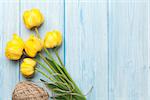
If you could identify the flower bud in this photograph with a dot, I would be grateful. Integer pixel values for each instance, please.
(33, 45)
(28, 67)
(52, 39)
(33, 18)
(14, 48)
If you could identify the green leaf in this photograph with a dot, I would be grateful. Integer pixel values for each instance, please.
(42, 80)
(57, 90)
(58, 98)
(67, 80)
(56, 84)
(52, 86)
(44, 66)
(62, 96)
(53, 64)
(63, 70)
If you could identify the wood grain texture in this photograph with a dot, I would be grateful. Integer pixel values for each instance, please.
(9, 70)
(106, 44)
(128, 45)
(86, 46)
(148, 49)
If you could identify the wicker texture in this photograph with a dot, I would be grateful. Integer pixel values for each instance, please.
(29, 91)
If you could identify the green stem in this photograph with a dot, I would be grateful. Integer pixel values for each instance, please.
(43, 74)
(49, 54)
(43, 66)
(56, 52)
(57, 74)
(37, 32)
(77, 88)
(55, 62)
(45, 60)
(59, 84)
(67, 74)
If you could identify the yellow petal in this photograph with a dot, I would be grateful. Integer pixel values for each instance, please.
(33, 18)
(52, 39)
(27, 67)
(33, 45)
(14, 48)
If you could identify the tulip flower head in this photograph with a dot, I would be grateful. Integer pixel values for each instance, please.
(14, 48)
(28, 67)
(53, 39)
(33, 18)
(33, 45)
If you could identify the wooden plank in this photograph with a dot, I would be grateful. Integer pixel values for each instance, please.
(128, 50)
(9, 70)
(148, 48)
(86, 46)
(53, 14)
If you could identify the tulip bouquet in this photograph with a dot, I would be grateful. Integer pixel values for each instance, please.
(60, 81)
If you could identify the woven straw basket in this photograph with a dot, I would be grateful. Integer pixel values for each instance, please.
(29, 91)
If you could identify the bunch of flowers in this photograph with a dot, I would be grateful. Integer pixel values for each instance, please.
(60, 81)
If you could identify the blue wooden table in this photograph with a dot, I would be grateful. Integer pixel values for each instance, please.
(105, 44)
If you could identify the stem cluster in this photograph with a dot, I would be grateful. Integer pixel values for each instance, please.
(60, 82)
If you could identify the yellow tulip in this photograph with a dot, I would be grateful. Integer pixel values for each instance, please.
(14, 48)
(33, 45)
(53, 39)
(33, 18)
(28, 67)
